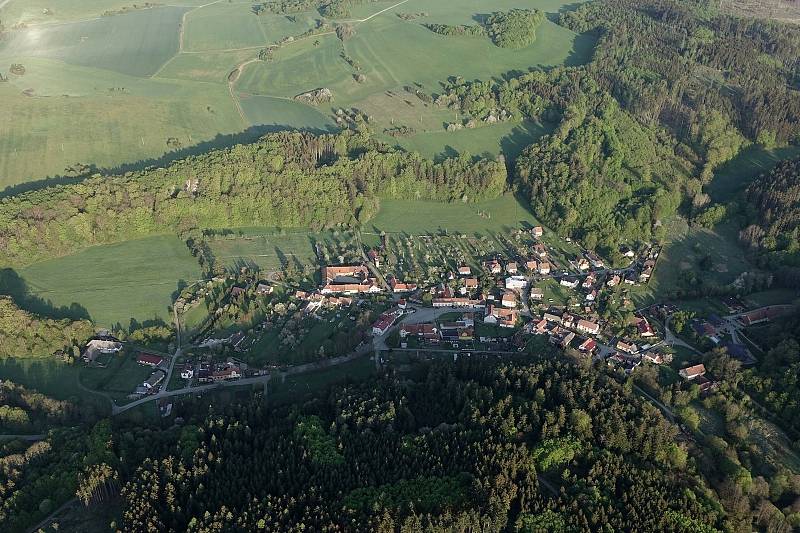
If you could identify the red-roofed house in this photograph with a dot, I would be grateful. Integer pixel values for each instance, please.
(149, 359)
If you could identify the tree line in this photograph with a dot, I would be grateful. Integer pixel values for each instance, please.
(283, 180)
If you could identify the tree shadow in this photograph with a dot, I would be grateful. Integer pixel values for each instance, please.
(11, 284)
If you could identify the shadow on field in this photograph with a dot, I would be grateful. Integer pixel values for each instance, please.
(249, 135)
(11, 284)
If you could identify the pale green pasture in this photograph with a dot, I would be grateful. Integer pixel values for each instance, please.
(136, 43)
(117, 282)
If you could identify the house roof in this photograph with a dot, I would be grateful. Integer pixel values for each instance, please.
(149, 359)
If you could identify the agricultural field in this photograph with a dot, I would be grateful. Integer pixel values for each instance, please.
(498, 215)
(118, 282)
(108, 83)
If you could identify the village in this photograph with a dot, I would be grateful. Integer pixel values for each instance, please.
(466, 299)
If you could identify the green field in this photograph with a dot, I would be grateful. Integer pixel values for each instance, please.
(112, 90)
(507, 138)
(268, 248)
(500, 214)
(300, 387)
(119, 378)
(136, 43)
(116, 282)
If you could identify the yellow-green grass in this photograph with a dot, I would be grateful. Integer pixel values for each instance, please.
(31, 12)
(207, 66)
(222, 26)
(507, 138)
(683, 253)
(267, 247)
(280, 113)
(421, 217)
(137, 43)
(118, 282)
(119, 378)
(40, 136)
(738, 173)
(393, 53)
(225, 25)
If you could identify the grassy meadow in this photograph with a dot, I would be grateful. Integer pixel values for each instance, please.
(111, 90)
(499, 215)
(118, 282)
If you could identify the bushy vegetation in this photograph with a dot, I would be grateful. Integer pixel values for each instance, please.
(458, 458)
(284, 180)
(506, 29)
(775, 381)
(23, 334)
(472, 30)
(515, 28)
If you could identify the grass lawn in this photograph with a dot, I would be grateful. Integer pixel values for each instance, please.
(301, 387)
(422, 217)
(32, 11)
(117, 282)
(555, 291)
(136, 43)
(507, 138)
(268, 248)
(772, 297)
(52, 378)
(80, 118)
(119, 378)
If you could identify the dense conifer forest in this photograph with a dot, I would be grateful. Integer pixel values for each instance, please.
(477, 445)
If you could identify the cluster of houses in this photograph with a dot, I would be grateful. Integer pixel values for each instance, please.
(207, 372)
(453, 332)
(349, 279)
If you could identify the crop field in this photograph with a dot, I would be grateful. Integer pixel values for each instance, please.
(108, 83)
(118, 282)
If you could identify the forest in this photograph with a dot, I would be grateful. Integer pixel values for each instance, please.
(775, 381)
(773, 212)
(479, 445)
(284, 180)
(23, 334)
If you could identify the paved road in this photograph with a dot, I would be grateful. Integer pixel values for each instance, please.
(673, 340)
(265, 379)
(422, 315)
